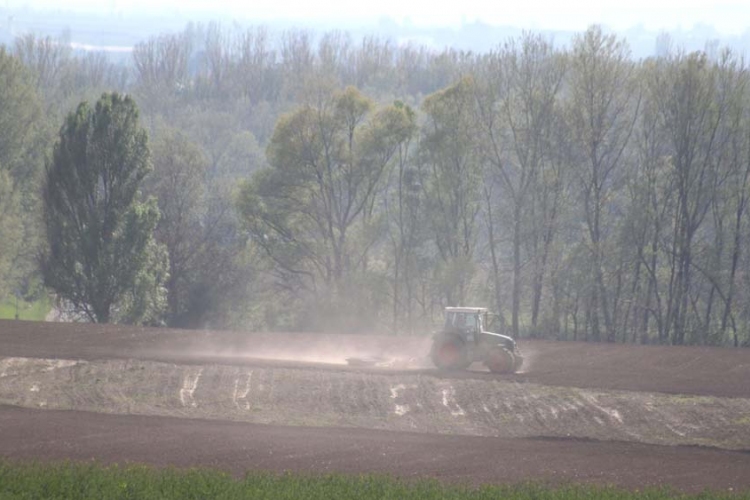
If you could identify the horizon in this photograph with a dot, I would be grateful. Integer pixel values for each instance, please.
(727, 18)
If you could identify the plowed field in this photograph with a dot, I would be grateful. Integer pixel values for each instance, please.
(626, 415)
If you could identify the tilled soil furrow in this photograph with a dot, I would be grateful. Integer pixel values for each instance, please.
(374, 400)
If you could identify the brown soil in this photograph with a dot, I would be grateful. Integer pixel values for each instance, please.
(416, 402)
(576, 412)
(710, 371)
(53, 435)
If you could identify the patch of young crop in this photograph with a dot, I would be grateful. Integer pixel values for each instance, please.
(83, 481)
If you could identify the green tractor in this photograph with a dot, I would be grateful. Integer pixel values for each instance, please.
(463, 341)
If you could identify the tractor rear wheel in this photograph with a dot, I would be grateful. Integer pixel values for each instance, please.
(449, 352)
(500, 360)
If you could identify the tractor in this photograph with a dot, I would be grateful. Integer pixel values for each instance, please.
(463, 341)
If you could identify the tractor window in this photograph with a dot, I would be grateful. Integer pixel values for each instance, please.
(462, 321)
(472, 322)
(450, 319)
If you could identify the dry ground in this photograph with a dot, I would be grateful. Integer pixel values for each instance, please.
(710, 371)
(577, 412)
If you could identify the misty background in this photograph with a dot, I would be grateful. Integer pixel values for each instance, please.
(116, 26)
(479, 160)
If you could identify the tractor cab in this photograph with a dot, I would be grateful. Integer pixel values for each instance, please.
(468, 322)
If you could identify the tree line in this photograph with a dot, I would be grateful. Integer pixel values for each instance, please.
(318, 183)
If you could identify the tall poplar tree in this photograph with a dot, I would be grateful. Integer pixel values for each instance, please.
(101, 256)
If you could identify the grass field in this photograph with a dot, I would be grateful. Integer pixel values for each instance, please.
(96, 482)
(32, 311)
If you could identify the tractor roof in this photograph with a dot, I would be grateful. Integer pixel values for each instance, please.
(479, 310)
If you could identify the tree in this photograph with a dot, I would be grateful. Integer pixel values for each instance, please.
(46, 57)
(517, 113)
(402, 202)
(11, 231)
(178, 183)
(651, 196)
(450, 153)
(198, 228)
(312, 211)
(101, 256)
(161, 70)
(698, 106)
(20, 138)
(603, 106)
(256, 70)
(739, 191)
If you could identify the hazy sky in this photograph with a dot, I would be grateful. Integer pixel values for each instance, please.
(727, 16)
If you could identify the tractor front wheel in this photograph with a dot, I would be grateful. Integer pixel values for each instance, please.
(500, 360)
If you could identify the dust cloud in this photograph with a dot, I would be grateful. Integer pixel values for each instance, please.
(529, 355)
(334, 350)
(377, 351)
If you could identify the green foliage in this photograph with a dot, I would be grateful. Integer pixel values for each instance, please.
(99, 235)
(206, 271)
(31, 311)
(312, 211)
(93, 481)
(230, 151)
(146, 301)
(593, 195)
(20, 111)
(450, 152)
(11, 231)
(178, 182)
(19, 135)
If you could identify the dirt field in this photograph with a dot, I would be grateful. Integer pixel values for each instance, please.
(709, 371)
(576, 412)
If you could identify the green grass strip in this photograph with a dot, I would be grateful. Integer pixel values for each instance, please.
(30, 311)
(79, 481)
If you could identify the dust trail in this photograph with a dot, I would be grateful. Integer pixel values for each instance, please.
(529, 356)
(379, 351)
